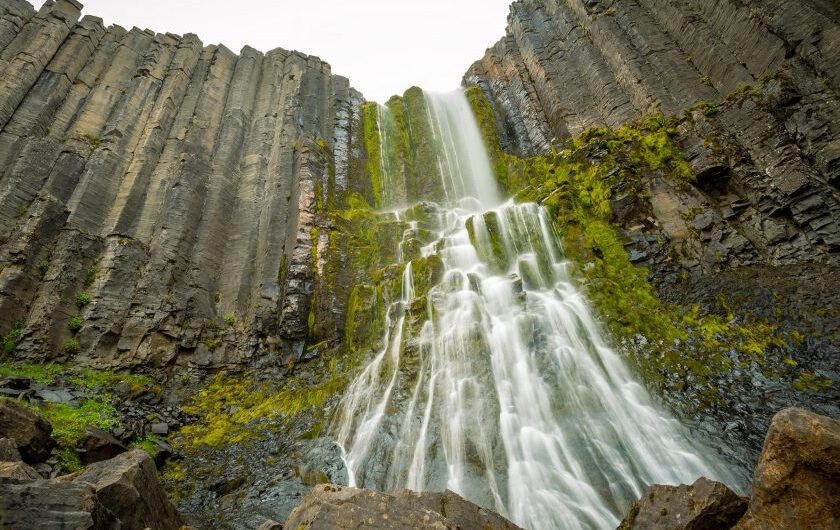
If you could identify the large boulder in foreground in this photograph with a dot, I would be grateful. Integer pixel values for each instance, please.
(127, 485)
(703, 505)
(796, 485)
(55, 504)
(331, 507)
(28, 429)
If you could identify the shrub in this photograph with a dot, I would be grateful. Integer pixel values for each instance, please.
(230, 320)
(82, 299)
(43, 266)
(71, 346)
(76, 324)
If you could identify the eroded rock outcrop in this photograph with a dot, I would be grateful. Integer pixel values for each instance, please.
(331, 507)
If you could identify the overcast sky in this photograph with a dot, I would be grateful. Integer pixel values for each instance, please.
(383, 46)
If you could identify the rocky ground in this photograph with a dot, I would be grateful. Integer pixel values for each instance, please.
(795, 486)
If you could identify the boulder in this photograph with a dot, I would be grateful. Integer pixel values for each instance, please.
(28, 429)
(337, 507)
(99, 445)
(15, 472)
(796, 485)
(54, 505)
(128, 486)
(703, 505)
(8, 450)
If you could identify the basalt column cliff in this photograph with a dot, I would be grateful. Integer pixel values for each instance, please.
(166, 183)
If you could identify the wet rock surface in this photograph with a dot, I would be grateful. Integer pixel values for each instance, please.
(703, 505)
(337, 507)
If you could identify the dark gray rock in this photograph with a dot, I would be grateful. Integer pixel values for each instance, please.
(127, 485)
(98, 445)
(30, 431)
(54, 505)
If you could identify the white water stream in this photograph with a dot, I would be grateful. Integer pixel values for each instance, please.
(508, 394)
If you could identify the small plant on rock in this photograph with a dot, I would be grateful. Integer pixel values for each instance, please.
(76, 324)
(43, 266)
(71, 346)
(230, 320)
(82, 299)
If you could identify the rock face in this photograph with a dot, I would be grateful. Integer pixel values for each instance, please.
(162, 191)
(29, 431)
(331, 507)
(128, 487)
(703, 505)
(797, 481)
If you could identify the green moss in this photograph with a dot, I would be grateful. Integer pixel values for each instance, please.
(147, 443)
(40, 373)
(370, 124)
(235, 409)
(106, 379)
(214, 342)
(69, 422)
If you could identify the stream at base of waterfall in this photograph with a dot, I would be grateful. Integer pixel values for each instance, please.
(507, 393)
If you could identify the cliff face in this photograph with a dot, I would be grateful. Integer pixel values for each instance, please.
(162, 191)
(755, 233)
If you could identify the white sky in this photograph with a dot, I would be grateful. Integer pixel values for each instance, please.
(383, 46)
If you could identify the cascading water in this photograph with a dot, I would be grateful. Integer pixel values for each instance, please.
(506, 394)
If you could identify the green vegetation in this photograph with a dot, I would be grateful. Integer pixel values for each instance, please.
(147, 443)
(90, 276)
(214, 342)
(96, 409)
(71, 346)
(75, 324)
(69, 422)
(234, 409)
(82, 299)
(43, 266)
(10, 339)
(40, 373)
(230, 320)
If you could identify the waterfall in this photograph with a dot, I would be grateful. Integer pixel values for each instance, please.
(507, 393)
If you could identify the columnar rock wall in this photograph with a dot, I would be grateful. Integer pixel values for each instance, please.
(174, 184)
(566, 65)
